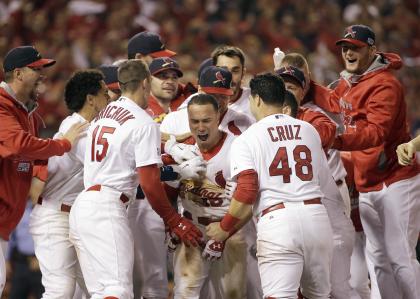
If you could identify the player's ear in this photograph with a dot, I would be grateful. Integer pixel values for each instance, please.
(287, 110)
(90, 100)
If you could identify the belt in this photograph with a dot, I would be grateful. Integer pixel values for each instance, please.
(201, 220)
(123, 197)
(314, 201)
(339, 182)
(63, 208)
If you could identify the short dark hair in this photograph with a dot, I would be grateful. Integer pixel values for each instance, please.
(204, 99)
(269, 87)
(8, 76)
(290, 101)
(79, 86)
(130, 73)
(229, 51)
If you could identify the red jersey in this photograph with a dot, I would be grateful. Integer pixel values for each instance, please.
(18, 149)
(324, 126)
(375, 121)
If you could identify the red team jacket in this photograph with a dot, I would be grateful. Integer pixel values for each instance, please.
(18, 149)
(373, 110)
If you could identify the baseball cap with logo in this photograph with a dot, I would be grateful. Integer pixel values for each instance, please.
(111, 76)
(25, 56)
(164, 63)
(216, 80)
(293, 73)
(358, 35)
(148, 43)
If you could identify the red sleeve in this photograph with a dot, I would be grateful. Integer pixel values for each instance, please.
(149, 177)
(171, 192)
(324, 126)
(15, 141)
(40, 172)
(247, 188)
(382, 106)
(323, 97)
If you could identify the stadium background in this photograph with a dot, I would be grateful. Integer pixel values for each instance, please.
(85, 34)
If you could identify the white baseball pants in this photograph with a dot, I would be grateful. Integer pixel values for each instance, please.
(104, 244)
(391, 220)
(294, 247)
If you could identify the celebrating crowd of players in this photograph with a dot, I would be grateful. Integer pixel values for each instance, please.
(247, 186)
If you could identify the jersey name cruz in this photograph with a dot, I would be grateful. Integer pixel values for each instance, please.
(286, 132)
(119, 114)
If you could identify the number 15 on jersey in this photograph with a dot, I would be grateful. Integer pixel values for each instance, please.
(100, 142)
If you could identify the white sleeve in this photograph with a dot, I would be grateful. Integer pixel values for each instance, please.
(167, 123)
(326, 180)
(240, 157)
(147, 145)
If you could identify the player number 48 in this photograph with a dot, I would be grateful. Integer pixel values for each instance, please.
(102, 140)
(281, 159)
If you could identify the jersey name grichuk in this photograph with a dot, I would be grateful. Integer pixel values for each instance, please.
(120, 115)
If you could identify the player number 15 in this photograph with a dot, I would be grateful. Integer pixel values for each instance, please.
(95, 154)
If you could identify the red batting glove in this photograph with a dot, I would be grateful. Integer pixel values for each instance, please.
(185, 230)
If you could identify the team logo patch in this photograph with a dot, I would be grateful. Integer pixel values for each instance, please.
(219, 78)
(349, 32)
(167, 63)
(24, 167)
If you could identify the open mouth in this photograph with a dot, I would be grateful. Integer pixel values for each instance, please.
(203, 137)
(351, 60)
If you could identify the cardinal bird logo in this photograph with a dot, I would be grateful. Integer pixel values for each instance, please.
(289, 70)
(349, 32)
(219, 78)
(220, 180)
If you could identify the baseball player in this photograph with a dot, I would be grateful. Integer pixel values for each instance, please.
(203, 202)
(371, 101)
(85, 94)
(111, 80)
(123, 148)
(19, 146)
(217, 82)
(279, 167)
(233, 59)
(342, 228)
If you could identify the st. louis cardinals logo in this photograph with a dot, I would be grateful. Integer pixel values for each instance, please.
(219, 78)
(167, 62)
(349, 32)
(219, 179)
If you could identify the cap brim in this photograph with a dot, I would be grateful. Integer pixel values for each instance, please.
(163, 53)
(355, 42)
(217, 90)
(113, 86)
(178, 71)
(43, 62)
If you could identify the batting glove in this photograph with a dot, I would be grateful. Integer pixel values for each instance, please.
(213, 250)
(230, 188)
(187, 232)
(194, 168)
(180, 152)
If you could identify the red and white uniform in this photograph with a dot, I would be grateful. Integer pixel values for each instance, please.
(49, 222)
(122, 138)
(286, 154)
(203, 202)
(241, 104)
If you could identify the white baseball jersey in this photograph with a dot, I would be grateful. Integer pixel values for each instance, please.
(288, 157)
(119, 141)
(241, 105)
(205, 198)
(65, 173)
(176, 123)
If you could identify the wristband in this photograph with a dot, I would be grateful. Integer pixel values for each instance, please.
(228, 223)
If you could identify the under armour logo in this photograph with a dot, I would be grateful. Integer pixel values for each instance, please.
(167, 62)
(349, 32)
(182, 226)
(219, 78)
(216, 246)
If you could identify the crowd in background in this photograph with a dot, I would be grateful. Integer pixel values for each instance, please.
(87, 33)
